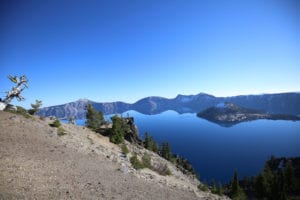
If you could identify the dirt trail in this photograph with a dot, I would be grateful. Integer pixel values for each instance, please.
(35, 163)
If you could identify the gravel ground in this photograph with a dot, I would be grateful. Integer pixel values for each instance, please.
(35, 163)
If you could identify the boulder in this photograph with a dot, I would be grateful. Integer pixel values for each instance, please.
(2, 105)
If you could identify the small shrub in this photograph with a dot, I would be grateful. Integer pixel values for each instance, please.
(203, 187)
(56, 123)
(124, 149)
(162, 169)
(35, 107)
(61, 131)
(213, 187)
(136, 163)
(94, 118)
(31, 111)
(72, 120)
(117, 130)
(220, 189)
(42, 118)
(116, 138)
(20, 111)
(90, 139)
(146, 159)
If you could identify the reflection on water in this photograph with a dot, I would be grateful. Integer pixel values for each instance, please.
(217, 151)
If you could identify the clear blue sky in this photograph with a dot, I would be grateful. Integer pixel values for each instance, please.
(128, 49)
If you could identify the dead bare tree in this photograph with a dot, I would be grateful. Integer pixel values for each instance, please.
(15, 92)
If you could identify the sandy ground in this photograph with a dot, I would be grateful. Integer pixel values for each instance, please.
(36, 163)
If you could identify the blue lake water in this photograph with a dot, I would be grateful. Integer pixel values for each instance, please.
(217, 151)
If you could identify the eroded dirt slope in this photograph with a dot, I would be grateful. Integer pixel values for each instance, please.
(35, 163)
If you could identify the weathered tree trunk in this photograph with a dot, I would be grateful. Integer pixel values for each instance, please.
(15, 92)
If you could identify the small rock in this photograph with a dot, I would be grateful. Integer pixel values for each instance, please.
(124, 169)
(14, 118)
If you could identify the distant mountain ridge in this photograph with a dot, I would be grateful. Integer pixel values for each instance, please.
(281, 103)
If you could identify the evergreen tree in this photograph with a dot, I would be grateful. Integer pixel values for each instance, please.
(270, 181)
(220, 189)
(289, 177)
(155, 147)
(146, 159)
(213, 186)
(56, 123)
(148, 144)
(71, 120)
(166, 151)
(237, 193)
(280, 192)
(235, 183)
(94, 119)
(136, 163)
(35, 107)
(124, 149)
(117, 131)
(260, 186)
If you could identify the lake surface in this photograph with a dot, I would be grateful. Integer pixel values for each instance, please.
(216, 151)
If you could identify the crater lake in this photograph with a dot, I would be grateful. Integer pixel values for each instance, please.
(216, 151)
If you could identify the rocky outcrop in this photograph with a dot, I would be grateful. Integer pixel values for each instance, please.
(2, 105)
(131, 131)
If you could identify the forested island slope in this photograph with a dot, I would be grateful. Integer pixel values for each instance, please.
(228, 114)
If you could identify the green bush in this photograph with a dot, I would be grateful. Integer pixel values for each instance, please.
(117, 130)
(31, 112)
(124, 149)
(35, 107)
(90, 139)
(61, 131)
(20, 111)
(220, 189)
(237, 192)
(56, 123)
(116, 138)
(162, 169)
(94, 118)
(146, 159)
(136, 163)
(42, 118)
(203, 187)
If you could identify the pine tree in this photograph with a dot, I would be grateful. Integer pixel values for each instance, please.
(237, 193)
(117, 131)
(35, 107)
(163, 152)
(235, 183)
(136, 163)
(155, 147)
(269, 177)
(289, 177)
(148, 144)
(94, 119)
(260, 185)
(71, 120)
(146, 159)
(213, 186)
(166, 151)
(220, 189)
(124, 149)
